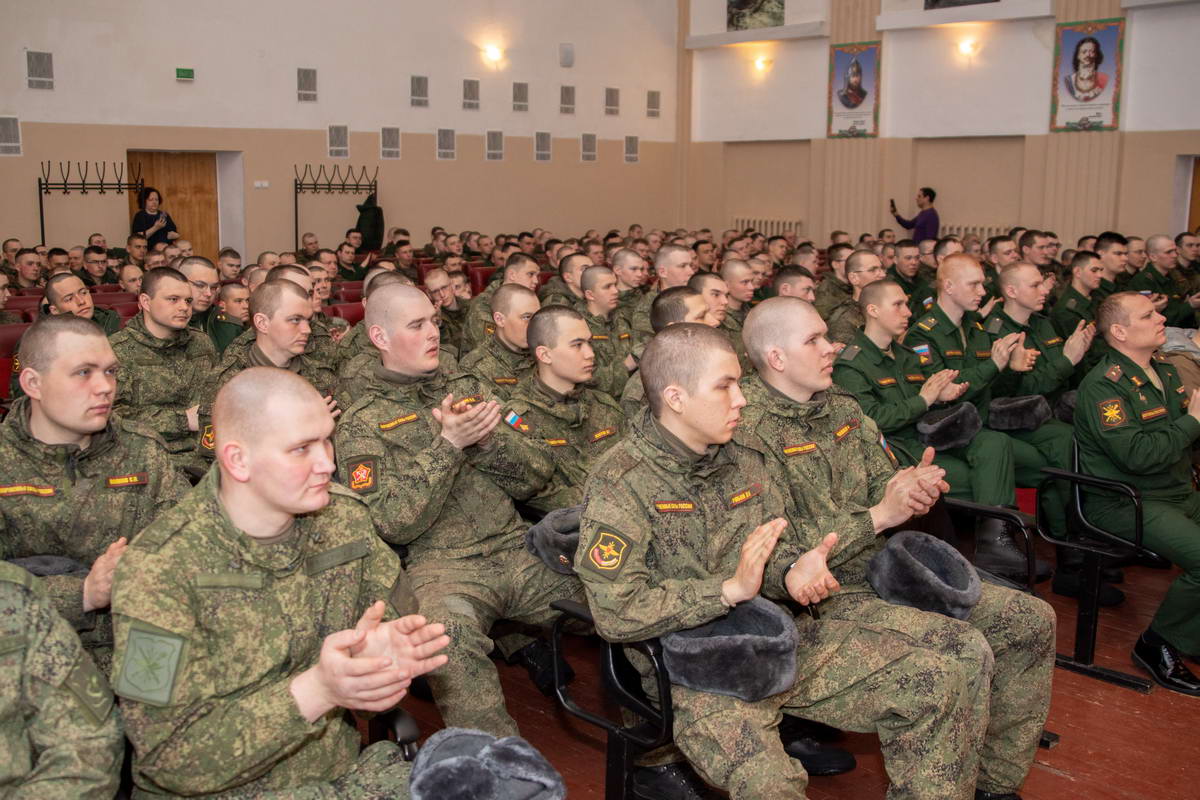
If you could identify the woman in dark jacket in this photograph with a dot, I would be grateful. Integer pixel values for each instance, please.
(152, 222)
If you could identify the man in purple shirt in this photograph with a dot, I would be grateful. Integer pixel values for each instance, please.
(925, 224)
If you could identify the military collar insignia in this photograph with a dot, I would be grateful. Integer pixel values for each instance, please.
(599, 337)
(800, 449)
(1136, 381)
(208, 439)
(848, 353)
(403, 419)
(750, 492)
(994, 325)
(16, 367)
(15, 489)
(132, 479)
(674, 506)
(1113, 373)
(623, 336)
(888, 381)
(505, 381)
(915, 377)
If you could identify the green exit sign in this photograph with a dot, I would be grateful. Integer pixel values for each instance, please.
(185, 74)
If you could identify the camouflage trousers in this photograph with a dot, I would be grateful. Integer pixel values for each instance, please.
(957, 705)
(469, 595)
(380, 773)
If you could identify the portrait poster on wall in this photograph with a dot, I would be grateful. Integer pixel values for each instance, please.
(933, 5)
(853, 90)
(1087, 75)
(744, 15)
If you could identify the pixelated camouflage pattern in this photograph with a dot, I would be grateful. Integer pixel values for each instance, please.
(498, 367)
(612, 342)
(639, 318)
(845, 321)
(830, 292)
(251, 616)
(161, 379)
(572, 431)
(63, 501)
(479, 324)
(60, 733)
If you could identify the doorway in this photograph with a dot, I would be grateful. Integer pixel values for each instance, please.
(1194, 207)
(188, 184)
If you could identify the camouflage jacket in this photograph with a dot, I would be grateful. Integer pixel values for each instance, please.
(497, 367)
(424, 492)
(357, 372)
(663, 529)
(831, 291)
(835, 467)
(162, 378)
(639, 318)
(479, 325)
(573, 431)
(60, 733)
(453, 321)
(212, 627)
(731, 326)
(56, 499)
(611, 342)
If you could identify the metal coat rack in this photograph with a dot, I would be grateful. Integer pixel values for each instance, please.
(349, 181)
(74, 176)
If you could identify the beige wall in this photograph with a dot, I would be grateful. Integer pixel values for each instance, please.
(417, 191)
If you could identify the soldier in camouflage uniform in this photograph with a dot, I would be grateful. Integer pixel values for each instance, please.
(573, 424)
(673, 266)
(611, 340)
(61, 733)
(205, 281)
(66, 294)
(846, 319)
(841, 479)
(281, 314)
(569, 291)
(76, 482)
(631, 272)
(451, 313)
(503, 358)
(242, 614)
(519, 269)
(681, 304)
(321, 346)
(232, 317)
(834, 288)
(681, 524)
(423, 449)
(164, 363)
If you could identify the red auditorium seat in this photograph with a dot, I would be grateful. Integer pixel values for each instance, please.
(22, 302)
(348, 294)
(126, 310)
(351, 312)
(544, 277)
(110, 299)
(33, 291)
(9, 336)
(29, 314)
(107, 287)
(479, 278)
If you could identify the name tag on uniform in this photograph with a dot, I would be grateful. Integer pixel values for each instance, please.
(983, 353)
(133, 479)
(556, 442)
(397, 422)
(915, 377)
(800, 449)
(886, 381)
(674, 507)
(750, 492)
(505, 381)
(15, 489)
(954, 352)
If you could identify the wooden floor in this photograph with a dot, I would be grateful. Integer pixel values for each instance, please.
(1116, 744)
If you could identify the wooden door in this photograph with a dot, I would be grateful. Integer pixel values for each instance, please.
(1194, 208)
(188, 184)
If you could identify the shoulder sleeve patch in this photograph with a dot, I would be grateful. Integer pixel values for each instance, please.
(848, 353)
(608, 552)
(153, 659)
(361, 473)
(90, 688)
(1112, 413)
(994, 325)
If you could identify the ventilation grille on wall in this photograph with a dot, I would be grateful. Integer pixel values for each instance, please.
(495, 146)
(566, 100)
(612, 101)
(587, 147)
(445, 144)
(631, 149)
(653, 103)
(389, 143)
(419, 90)
(520, 96)
(769, 227)
(470, 94)
(339, 141)
(41, 69)
(10, 136)
(984, 232)
(541, 146)
(306, 85)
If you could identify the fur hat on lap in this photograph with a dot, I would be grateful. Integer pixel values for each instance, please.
(949, 428)
(1026, 413)
(463, 764)
(750, 653)
(554, 539)
(1064, 408)
(44, 566)
(918, 570)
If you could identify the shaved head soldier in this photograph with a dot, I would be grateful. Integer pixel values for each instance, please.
(428, 453)
(611, 339)
(233, 314)
(840, 478)
(205, 282)
(520, 269)
(503, 359)
(66, 294)
(846, 319)
(77, 482)
(266, 596)
(165, 363)
(680, 304)
(673, 266)
(451, 312)
(564, 288)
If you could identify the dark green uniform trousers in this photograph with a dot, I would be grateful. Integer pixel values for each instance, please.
(1048, 446)
(1171, 529)
(982, 471)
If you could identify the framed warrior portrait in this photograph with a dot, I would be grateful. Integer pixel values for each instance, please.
(853, 90)
(1086, 95)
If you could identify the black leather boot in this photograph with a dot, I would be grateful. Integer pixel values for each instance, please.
(1165, 664)
(538, 660)
(996, 552)
(671, 782)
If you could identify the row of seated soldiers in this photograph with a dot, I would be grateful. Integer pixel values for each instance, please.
(418, 440)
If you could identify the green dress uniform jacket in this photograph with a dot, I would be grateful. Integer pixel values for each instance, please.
(63, 501)
(1051, 372)
(1071, 309)
(920, 295)
(224, 330)
(573, 431)
(966, 348)
(60, 733)
(1178, 313)
(213, 626)
(161, 379)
